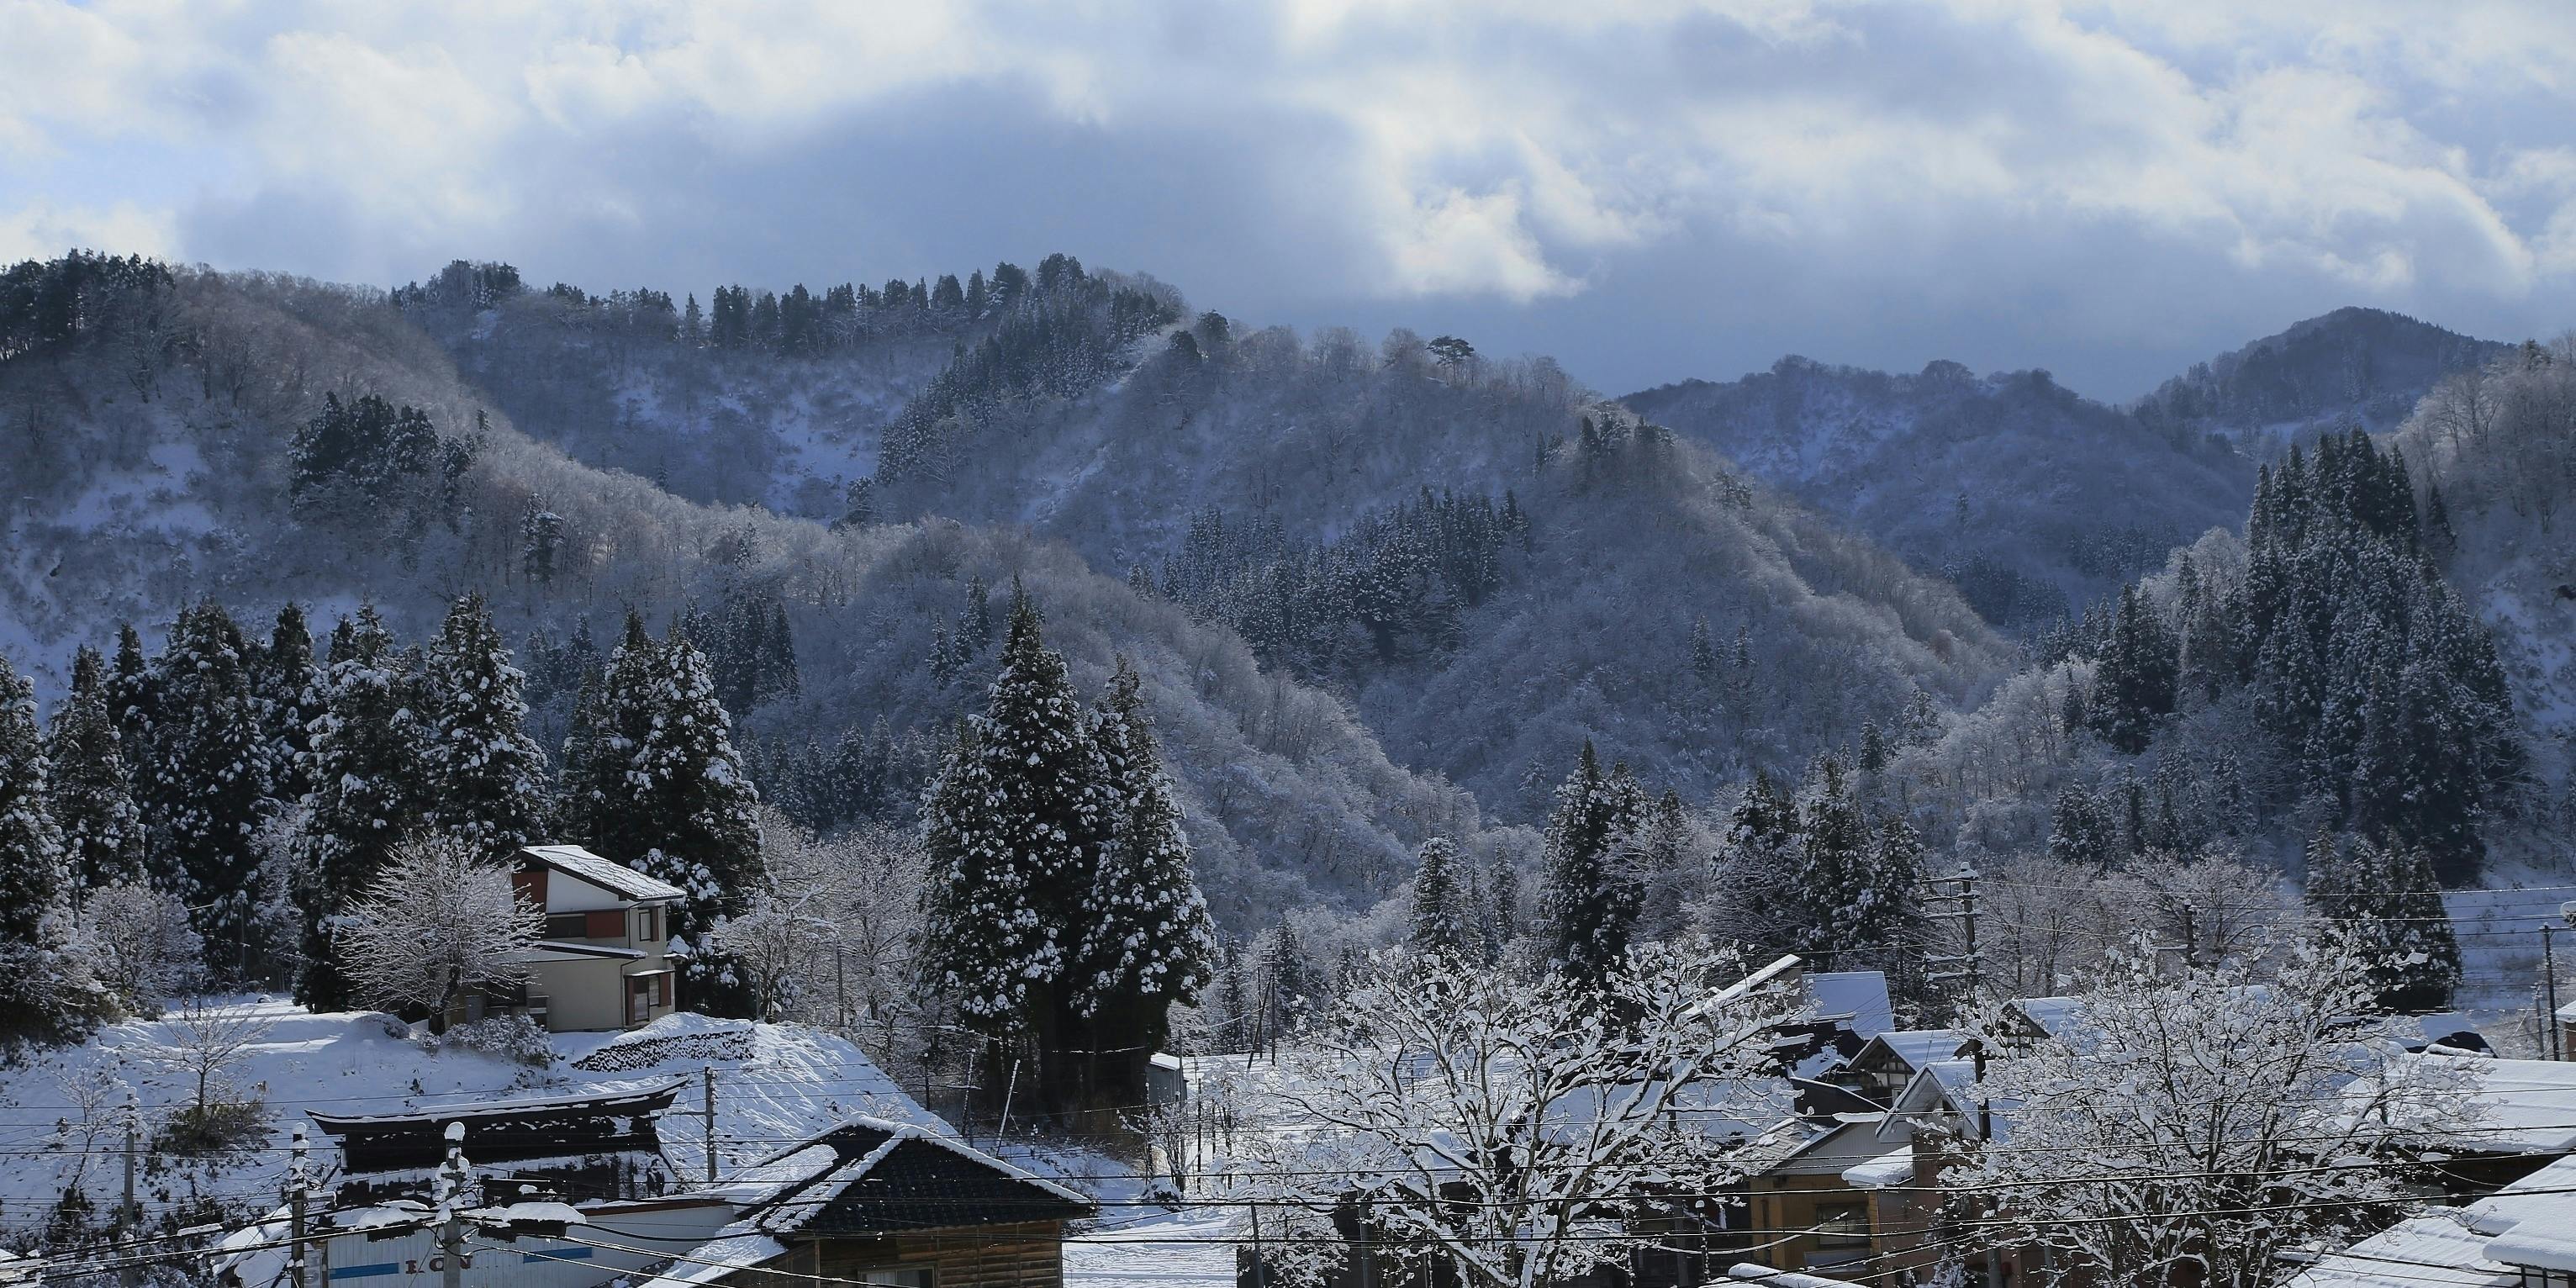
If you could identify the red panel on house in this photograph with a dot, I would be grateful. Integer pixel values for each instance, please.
(607, 923)
(529, 883)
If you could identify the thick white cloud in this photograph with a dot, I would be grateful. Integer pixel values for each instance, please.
(1652, 189)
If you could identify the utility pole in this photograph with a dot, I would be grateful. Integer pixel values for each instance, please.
(2549, 986)
(449, 1195)
(708, 1074)
(2190, 935)
(1968, 970)
(297, 1180)
(129, 1217)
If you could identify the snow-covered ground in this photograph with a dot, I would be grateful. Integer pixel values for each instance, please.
(61, 1111)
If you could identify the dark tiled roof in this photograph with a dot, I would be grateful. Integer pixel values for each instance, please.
(891, 1180)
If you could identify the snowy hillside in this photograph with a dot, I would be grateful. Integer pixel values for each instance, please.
(2354, 366)
(1238, 459)
(2033, 500)
(158, 487)
(62, 1110)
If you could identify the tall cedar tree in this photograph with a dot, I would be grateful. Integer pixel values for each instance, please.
(365, 766)
(486, 779)
(2387, 899)
(1146, 939)
(291, 697)
(1442, 922)
(1015, 823)
(1762, 838)
(652, 780)
(1591, 899)
(45, 993)
(2135, 680)
(208, 784)
(93, 797)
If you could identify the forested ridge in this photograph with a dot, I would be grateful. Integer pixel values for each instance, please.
(1374, 598)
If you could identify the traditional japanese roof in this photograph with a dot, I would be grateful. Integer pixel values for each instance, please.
(2533, 1219)
(1895, 1167)
(1914, 1047)
(501, 1132)
(885, 1177)
(1857, 997)
(617, 878)
(2519, 1106)
(1749, 1273)
(2421, 1252)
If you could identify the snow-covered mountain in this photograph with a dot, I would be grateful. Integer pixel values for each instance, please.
(2354, 366)
(2031, 498)
(157, 474)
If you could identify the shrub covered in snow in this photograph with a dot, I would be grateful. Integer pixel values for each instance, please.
(508, 1037)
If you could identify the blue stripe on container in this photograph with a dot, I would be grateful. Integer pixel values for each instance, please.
(558, 1254)
(362, 1272)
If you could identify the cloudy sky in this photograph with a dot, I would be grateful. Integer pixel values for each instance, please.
(1645, 190)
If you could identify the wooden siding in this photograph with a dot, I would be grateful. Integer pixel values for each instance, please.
(1028, 1255)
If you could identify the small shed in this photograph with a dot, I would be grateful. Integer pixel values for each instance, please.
(580, 1147)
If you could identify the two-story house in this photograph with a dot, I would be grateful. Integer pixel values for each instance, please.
(605, 961)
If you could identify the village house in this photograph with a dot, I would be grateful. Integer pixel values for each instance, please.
(605, 961)
(889, 1205)
(2522, 1236)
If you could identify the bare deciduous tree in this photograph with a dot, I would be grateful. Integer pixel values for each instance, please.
(436, 922)
(1515, 1129)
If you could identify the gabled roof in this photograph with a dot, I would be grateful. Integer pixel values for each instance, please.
(1859, 997)
(617, 878)
(2420, 1252)
(1914, 1048)
(885, 1177)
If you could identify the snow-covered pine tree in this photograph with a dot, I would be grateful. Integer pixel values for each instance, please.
(365, 765)
(46, 992)
(975, 620)
(2386, 902)
(1703, 653)
(93, 795)
(132, 697)
(1591, 899)
(1441, 924)
(2134, 683)
(684, 810)
(2078, 833)
(290, 698)
(1503, 888)
(1146, 941)
(1014, 824)
(606, 728)
(485, 778)
(1835, 898)
(208, 782)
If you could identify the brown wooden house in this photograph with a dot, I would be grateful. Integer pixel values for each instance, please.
(890, 1204)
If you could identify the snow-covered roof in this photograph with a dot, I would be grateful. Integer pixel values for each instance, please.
(554, 949)
(2421, 1252)
(1917, 1047)
(2054, 1016)
(2521, 1106)
(1750, 1273)
(1860, 994)
(1895, 1167)
(1944, 1087)
(2534, 1218)
(718, 1258)
(617, 878)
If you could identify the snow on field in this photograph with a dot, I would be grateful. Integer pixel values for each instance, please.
(2500, 953)
(1189, 1248)
(61, 1110)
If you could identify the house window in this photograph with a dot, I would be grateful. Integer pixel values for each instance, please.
(897, 1277)
(647, 925)
(568, 925)
(1842, 1225)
